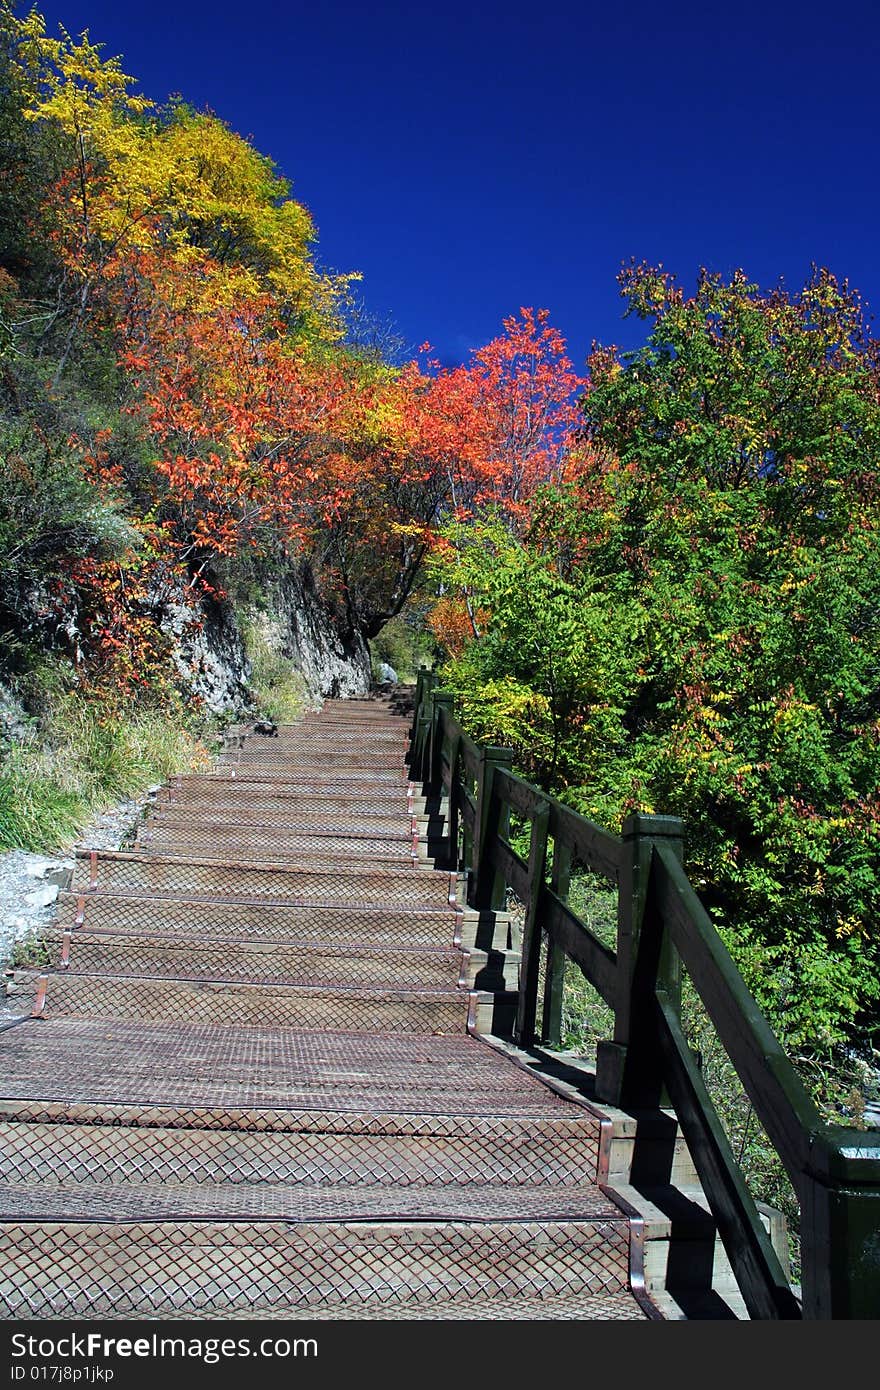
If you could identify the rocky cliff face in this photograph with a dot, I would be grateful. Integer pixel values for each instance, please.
(295, 622)
(209, 653)
(334, 663)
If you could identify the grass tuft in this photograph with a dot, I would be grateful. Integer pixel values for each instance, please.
(279, 687)
(81, 762)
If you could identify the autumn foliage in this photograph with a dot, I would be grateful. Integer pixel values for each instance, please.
(179, 256)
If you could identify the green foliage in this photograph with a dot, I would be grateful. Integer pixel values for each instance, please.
(30, 161)
(692, 628)
(545, 676)
(403, 643)
(50, 517)
(737, 386)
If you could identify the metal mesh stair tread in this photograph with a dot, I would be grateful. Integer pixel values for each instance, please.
(225, 983)
(333, 923)
(321, 749)
(346, 1010)
(108, 859)
(155, 1265)
(378, 827)
(292, 963)
(385, 1118)
(197, 1067)
(602, 1307)
(197, 877)
(307, 776)
(544, 1151)
(338, 816)
(304, 1202)
(215, 846)
(224, 791)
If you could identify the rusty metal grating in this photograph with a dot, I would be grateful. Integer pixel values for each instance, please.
(306, 777)
(243, 842)
(529, 1153)
(306, 965)
(270, 922)
(160, 876)
(214, 789)
(356, 1119)
(233, 1005)
(233, 799)
(314, 820)
(603, 1307)
(153, 1268)
(199, 1067)
(314, 760)
(337, 746)
(300, 1202)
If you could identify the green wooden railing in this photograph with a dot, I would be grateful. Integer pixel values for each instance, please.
(661, 926)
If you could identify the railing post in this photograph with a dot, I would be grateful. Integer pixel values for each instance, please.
(486, 888)
(425, 685)
(527, 1004)
(441, 708)
(417, 715)
(628, 1069)
(554, 978)
(840, 1227)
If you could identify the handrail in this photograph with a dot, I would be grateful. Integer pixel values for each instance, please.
(661, 924)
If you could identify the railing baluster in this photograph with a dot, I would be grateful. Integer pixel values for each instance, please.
(527, 1005)
(426, 682)
(441, 712)
(487, 887)
(554, 979)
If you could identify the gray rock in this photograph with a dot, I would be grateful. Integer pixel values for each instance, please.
(51, 870)
(42, 897)
(297, 623)
(14, 722)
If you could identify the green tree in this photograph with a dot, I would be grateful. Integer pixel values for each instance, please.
(721, 550)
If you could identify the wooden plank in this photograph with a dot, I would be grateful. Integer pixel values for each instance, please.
(470, 756)
(467, 809)
(597, 849)
(774, 1088)
(514, 869)
(520, 795)
(755, 1264)
(573, 937)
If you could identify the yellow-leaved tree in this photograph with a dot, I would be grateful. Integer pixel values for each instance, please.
(169, 181)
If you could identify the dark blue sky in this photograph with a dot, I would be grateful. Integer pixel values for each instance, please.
(473, 158)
